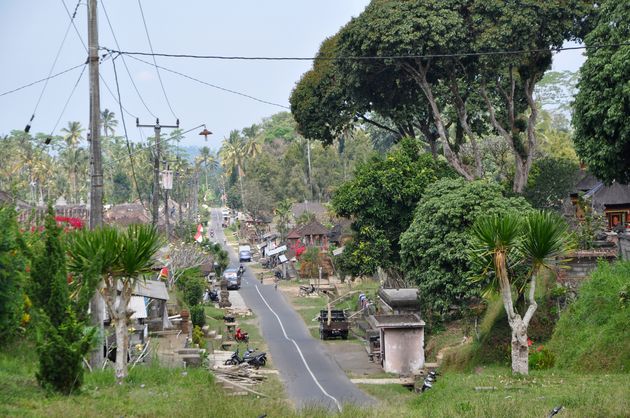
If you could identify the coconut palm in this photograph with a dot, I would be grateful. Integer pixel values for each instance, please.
(109, 122)
(233, 155)
(537, 240)
(283, 212)
(121, 259)
(209, 160)
(73, 135)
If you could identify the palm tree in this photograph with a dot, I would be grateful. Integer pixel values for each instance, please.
(120, 259)
(232, 154)
(283, 212)
(537, 240)
(209, 160)
(73, 136)
(109, 122)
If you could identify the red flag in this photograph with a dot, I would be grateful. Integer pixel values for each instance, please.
(164, 272)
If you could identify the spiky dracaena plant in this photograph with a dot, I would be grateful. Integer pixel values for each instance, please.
(538, 239)
(123, 258)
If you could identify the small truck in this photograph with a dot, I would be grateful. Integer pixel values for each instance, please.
(333, 323)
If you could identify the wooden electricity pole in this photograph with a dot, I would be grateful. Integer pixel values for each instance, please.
(155, 202)
(97, 306)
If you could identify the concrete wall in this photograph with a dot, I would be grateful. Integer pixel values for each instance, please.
(403, 350)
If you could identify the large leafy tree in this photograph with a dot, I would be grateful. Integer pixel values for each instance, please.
(602, 129)
(434, 247)
(381, 198)
(439, 89)
(537, 240)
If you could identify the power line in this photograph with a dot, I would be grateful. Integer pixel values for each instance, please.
(133, 83)
(214, 85)
(76, 30)
(363, 58)
(42, 80)
(68, 100)
(146, 30)
(133, 170)
(52, 67)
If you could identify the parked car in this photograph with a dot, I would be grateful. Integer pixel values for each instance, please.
(233, 278)
(245, 255)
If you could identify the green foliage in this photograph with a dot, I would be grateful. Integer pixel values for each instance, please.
(593, 333)
(434, 249)
(381, 198)
(197, 336)
(192, 285)
(309, 262)
(61, 349)
(12, 267)
(551, 181)
(541, 358)
(48, 287)
(62, 339)
(198, 316)
(602, 131)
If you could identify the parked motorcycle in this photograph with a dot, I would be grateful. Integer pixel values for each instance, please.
(251, 357)
(240, 336)
(307, 290)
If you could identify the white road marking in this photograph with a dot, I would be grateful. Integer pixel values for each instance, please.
(299, 351)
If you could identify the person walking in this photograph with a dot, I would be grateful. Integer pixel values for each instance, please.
(275, 282)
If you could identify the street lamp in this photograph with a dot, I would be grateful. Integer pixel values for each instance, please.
(205, 133)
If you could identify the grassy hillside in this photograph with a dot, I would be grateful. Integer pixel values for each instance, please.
(593, 334)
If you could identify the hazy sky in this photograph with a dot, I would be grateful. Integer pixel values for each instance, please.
(31, 33)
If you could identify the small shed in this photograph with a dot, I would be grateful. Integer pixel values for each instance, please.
(400, 301)
(401, 342)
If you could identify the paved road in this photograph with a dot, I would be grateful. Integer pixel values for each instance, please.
(310, 374)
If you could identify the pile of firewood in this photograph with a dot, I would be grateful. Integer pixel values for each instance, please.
(237, 377)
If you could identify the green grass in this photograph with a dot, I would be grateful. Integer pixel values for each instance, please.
(594, 332)
(155, 391)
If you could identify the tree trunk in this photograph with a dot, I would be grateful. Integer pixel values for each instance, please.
(520, 349)
(122, 342)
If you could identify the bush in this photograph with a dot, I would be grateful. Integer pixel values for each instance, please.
(434, 249)
(198, 315)
(198, 338)
(12, 267)
(61, 350)
(192, 286)
(541, 358)
(593, 333)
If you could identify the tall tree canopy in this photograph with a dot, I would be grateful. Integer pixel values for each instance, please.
(434, 249)
(380, 199)
(432, 86)
(602, 105)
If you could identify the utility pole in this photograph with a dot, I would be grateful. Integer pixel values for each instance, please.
(155, 202)
(97, 305)
(96, 184)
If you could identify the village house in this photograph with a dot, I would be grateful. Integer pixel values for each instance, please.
(612, 201)
(313, 234)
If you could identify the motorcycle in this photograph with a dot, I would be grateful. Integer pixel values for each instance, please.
(307, 290)
(240, 336)
(250, 357)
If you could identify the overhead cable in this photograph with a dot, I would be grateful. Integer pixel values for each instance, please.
(133, 170)
(68, 100)
(76, 30)
(213, 85)
(52, 67)
(375, 57)
(42, 80)
(133, 83)
(146, 30)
